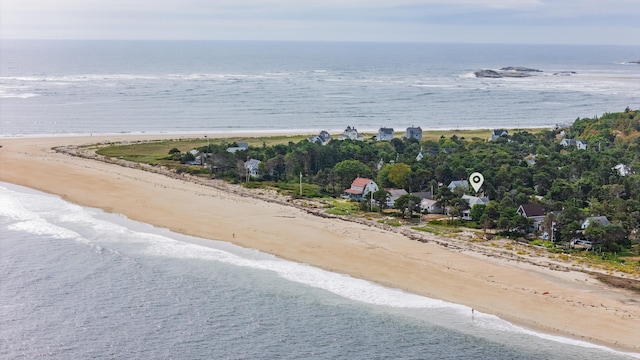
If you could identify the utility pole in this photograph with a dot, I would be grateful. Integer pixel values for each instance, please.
(371, 202)
(300, 184)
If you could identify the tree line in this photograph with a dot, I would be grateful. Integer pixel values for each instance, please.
(523, 167)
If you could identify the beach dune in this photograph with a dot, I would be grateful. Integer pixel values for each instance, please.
(567, 303)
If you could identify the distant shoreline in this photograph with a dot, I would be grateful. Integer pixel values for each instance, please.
(275, 132)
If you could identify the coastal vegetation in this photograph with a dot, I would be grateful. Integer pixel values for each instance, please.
(525, 167)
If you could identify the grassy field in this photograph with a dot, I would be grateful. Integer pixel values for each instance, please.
(156, 152)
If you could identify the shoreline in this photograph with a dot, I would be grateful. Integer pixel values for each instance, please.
(576, 307)
(217, 133)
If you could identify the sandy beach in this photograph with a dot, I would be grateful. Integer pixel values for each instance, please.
(566, 303)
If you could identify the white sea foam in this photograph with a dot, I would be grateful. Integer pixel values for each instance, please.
(345, 286)
(7, 95)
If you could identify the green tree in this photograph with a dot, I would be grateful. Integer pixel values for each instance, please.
(610, 237)
(187, 157)
(407, 204)
(382, 179)
(399, 175)
(477, 212)
(346, 171)
(381, 197)
(444, 196)
(458, 207)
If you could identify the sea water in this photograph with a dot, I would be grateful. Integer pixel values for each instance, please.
(204, 87)
(78, 283)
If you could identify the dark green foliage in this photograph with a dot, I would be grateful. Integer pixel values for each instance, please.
(407, 204)
(573, 183)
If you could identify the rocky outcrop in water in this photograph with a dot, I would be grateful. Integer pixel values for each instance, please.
(516, 72)
(485, 73)
(564, 73)
(520, 69)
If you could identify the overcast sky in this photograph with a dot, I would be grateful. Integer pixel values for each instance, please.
(467, 21)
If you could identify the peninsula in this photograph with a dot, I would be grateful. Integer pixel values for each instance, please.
(559, 300)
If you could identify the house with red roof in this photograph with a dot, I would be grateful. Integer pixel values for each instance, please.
(360, 187)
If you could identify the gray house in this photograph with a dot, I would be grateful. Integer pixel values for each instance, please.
(323, 138)
(596, 220)
(498, 133)
(385, 134)
(414, 133)
(459, 183)
(394, 194)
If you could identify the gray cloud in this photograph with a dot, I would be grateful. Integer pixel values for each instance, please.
(529, 21)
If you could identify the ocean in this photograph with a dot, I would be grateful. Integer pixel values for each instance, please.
(78, 283)
(200, 87)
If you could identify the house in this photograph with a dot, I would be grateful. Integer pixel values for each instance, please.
(239, 147)
(423, 195)
(472, 201)
(414, 133)
(323, 138)
(198, 157)
(430, 206)
(394, 194)
(498, 133)
(252, 166)
(530, 159)
(360, 187)
(535, 212)
(385, 134)
(622, 169)
(580, 144)
(596, 220)
(460, 183)
(350, 133)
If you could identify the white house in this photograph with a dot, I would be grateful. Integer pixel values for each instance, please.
(580, 144)
(360, 187)
(385, 134)
(240, 146)
(414, 133)
(622, 169)
(252, 166)
(430, 206)
(350, 133)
